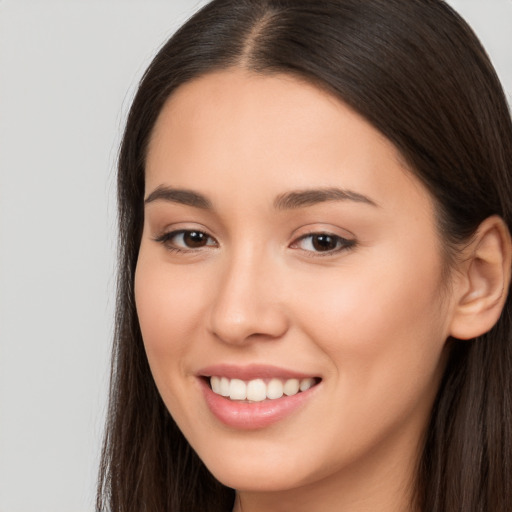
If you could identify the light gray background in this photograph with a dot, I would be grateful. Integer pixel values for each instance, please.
(68, 70)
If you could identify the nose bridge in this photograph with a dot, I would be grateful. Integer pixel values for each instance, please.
(247, 299)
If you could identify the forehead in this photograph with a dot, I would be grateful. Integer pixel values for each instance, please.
(243, 129)
(238, 99)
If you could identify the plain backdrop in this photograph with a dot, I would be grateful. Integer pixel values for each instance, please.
(68, 70)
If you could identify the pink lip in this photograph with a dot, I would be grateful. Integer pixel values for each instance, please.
(256, 415)
(249, 372)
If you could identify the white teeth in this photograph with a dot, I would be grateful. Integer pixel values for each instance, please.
(215, 383)
(257, 390)
(237, 389)
(274, 389)
(291, 387)
(224, 387)
(305, 384)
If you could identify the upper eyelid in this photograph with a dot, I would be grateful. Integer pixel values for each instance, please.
(169, 231)
(349, 237)
(173, 232)
(168, 235)
(323, 232)
(350, 241)
(323, 228)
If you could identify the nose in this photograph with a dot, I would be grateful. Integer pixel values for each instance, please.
(247, 303)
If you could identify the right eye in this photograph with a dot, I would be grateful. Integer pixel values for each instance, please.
(186, 240)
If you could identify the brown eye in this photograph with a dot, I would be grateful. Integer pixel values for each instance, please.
(185, 240)
(323, 243)
(195, 239)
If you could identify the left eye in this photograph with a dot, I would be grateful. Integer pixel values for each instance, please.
(186, 239)
(323, 242)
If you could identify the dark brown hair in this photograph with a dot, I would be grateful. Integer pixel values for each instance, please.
(416, 71)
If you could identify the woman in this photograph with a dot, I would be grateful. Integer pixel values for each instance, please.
(315, 262)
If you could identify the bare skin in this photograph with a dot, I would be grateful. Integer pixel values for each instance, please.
(346, 287)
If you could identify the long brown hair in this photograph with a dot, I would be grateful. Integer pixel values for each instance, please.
(416, 71)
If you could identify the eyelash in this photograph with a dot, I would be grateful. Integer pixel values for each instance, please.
(341, 243)
(166, 240)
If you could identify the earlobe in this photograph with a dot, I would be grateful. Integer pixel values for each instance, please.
(485, 280)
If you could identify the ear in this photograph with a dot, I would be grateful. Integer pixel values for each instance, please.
(482, 289)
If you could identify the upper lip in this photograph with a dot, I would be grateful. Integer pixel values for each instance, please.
(252, 371)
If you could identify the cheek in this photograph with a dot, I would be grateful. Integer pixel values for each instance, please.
(382, 327)
(168, 306)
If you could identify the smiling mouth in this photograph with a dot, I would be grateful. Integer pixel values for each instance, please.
(258, 390)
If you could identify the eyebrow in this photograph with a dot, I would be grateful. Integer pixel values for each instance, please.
(288, 201)
(302, 198)
(180, 196)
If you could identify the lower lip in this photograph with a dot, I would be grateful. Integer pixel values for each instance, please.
(255, 415)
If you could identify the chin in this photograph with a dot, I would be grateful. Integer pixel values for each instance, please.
(255, 478)
(260, 465)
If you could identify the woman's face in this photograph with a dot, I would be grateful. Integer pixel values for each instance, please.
(286, 245)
